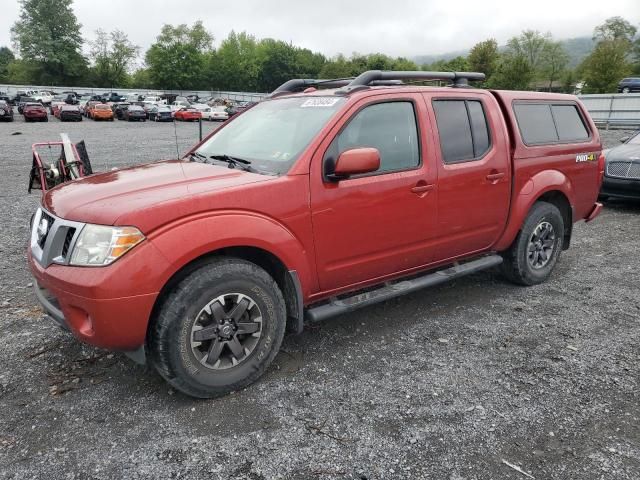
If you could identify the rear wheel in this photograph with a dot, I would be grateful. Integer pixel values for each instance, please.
(219, 329)
(536, 249)
(625, 90)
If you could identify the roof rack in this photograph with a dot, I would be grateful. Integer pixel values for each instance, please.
(300, 84)
(367, 79)
(373, 78)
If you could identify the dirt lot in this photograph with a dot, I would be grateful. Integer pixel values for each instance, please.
(448, 384)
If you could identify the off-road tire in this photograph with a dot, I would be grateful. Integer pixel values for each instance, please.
(169, 337)
(516, 266)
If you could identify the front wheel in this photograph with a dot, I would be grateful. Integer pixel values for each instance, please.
(625, 90)
(535, 251)
(219, 329)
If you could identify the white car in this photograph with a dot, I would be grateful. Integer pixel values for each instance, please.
(215, 113)
(179, 105)
(42, 97)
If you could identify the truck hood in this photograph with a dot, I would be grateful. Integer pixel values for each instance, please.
(123, 193)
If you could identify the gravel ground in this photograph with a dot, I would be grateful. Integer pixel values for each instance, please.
(448, 383)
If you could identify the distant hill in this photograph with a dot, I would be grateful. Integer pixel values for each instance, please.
(577, 48)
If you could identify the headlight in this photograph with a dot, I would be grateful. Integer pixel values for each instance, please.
(99, 245)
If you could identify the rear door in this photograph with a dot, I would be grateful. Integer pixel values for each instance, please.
(374, 225)
(474, 171)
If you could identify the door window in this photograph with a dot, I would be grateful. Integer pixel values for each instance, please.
(463, 130)
(389, 127)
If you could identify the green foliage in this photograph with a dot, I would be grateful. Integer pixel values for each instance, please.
(615, 28)
(484, 57)
(178, 58)
(6, 57)
(47, 35)
(140, 79)
(606, 66)
(553, 62)
(112, 55)
(610, 60)
(530, 45)
(457, 64)
(514, 72)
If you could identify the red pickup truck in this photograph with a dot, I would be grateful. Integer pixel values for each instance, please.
(312, 203)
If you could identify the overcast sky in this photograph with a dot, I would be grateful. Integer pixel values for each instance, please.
(395, 27)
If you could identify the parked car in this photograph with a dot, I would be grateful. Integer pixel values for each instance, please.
(134, 113)
(629, 85)
(112, 97)
(70, 113)
(622, 169)
(188, 115)
(34, 111)
(23, 101)
(160, 113)
(16, 99)
(101, 111)
(198, 266)
(42, 97)
(90, 105)
(6, 111)
(179, 105)
(119, 110)
(152, 99)
(240, 107)
(71, 98)
(215, 113)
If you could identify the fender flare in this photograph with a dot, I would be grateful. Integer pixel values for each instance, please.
(190, 238)
(534, 188)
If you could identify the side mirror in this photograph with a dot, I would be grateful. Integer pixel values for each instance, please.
(624, 139)
(356, 161)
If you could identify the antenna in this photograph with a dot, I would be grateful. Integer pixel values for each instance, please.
(175, 134)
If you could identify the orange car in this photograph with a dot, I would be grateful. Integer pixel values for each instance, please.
(101, 111)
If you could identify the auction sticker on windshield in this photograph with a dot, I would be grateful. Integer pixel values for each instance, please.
(319, 102)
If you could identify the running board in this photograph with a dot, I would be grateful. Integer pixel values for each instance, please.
(390, 290)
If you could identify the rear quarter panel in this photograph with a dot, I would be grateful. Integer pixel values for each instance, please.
(570, 168)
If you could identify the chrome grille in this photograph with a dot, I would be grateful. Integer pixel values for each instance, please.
(624, 169)
(54, 243)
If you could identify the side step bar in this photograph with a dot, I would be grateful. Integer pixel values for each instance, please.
(390, 290)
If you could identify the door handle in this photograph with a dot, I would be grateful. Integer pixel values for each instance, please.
(422, 188)
(492, 177)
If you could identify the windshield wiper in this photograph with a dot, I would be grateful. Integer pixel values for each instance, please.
(198, 155)
(234, 162)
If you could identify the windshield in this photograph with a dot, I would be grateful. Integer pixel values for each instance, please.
(272, 134)
(635, 140)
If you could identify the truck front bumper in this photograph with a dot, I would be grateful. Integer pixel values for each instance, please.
(620, 188)
(115, 323)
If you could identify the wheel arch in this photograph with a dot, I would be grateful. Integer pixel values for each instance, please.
(550, 186)
(287, 280)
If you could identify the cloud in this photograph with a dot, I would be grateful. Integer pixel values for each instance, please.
(399, 27)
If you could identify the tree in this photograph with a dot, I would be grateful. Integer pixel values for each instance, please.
(530, 45)
(47, 34)
(6, 57)
(609, 61)
(308, 63)
(235, 65)
(178, 58)
(276, 61)
(484, 57)
(553, 61)
(113, 56)
(615, 28)
(514, 72)
(606, 66)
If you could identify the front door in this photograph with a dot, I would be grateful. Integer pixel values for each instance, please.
(372, 225)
